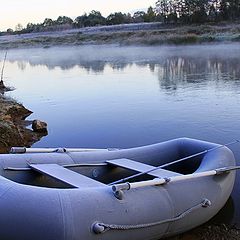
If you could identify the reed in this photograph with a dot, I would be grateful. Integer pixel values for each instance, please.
(2, 71)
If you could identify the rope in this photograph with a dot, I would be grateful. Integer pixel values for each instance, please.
(103, 227)
(174, 162)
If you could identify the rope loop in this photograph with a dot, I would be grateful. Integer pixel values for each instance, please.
(99, 228)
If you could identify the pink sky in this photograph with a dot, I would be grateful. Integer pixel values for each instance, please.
(35, 11)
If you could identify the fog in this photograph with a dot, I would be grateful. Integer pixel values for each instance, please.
(173, 65)
(120, 56)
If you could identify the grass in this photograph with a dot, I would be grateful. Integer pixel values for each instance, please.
(177, 35)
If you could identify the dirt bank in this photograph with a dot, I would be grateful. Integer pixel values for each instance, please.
(137, 34)
(13, 131)
(213, 232)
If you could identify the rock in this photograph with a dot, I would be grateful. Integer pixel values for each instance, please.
(39, 126)
(13, 131)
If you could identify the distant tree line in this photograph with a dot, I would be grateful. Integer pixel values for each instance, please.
(167, 11)
(94, 18)
(197, 11)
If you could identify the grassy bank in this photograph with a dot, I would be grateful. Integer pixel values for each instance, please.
(165, 34)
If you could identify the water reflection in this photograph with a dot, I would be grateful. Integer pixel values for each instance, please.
(173, 66)
(177, 71)
(173, 72)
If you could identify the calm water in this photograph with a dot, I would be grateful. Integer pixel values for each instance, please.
(108, 96)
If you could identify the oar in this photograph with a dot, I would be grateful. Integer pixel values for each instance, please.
(174, 162)
(52, 150)
(118, 188)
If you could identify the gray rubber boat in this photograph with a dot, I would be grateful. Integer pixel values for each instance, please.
(141, 193)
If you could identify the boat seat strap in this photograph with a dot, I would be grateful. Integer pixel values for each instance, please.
(141, 167)
(67, 176)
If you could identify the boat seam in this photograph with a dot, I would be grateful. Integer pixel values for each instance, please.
(63, 215)
(172, 208)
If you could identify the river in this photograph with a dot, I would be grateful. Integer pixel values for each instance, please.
(127, 96)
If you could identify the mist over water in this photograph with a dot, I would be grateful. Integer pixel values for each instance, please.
(111, 96)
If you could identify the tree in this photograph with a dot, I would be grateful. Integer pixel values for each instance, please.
(95, 18)
(165, 8)
(80, 21)
(213, 14)
(234, 8)
(190, 11)
(9, 30)
(128, 18)
(139, 16)
(200, 15)
(116, 18)
(150, 16)
(48, 22)
(30, 27)
(19, 27)
(64, 20)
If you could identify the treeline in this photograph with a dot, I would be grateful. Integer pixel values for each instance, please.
(197, 11)
(167, 11)
(94, 18)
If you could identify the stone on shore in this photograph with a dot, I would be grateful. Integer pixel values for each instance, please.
(39, 126)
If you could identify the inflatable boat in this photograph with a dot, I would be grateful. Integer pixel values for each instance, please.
(140, 193)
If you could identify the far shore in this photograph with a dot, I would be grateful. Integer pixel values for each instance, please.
(128, 34)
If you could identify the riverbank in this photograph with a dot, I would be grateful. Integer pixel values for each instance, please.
(13, 131)
(128, 34)
(206, 232)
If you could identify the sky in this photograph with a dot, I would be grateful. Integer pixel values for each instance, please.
(35, 11)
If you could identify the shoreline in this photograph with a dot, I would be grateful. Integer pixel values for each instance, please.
(127, 34)
(209, 231)
(13, 125)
